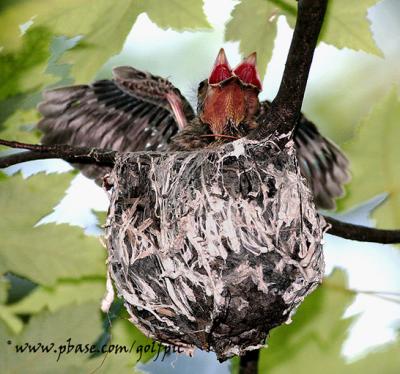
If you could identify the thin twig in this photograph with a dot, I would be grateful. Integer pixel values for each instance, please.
(82, 155)
(362, 233)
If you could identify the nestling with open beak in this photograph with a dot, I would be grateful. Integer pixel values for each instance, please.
(230, 99)
(138, 111)
(227, 105)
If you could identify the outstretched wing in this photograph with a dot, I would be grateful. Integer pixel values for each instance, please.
(321, 162)
(132, 112)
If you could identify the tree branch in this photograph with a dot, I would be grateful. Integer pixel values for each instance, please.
(285, 108)
(362, 233)
(81, 155)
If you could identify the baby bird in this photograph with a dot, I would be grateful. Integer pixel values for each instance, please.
(138, 111)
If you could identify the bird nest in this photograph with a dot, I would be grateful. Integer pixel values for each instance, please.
(212, 249)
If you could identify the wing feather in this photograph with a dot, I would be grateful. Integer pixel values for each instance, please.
(131, 112)
(321, 161)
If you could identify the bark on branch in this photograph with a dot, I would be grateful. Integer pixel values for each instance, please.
(362, 233)
(82, 155)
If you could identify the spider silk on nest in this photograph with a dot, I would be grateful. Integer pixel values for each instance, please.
(214, 248)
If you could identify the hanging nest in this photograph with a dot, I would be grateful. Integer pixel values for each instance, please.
(213, 249)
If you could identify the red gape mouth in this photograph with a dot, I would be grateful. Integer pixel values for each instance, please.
(247, 71)
(221, 69)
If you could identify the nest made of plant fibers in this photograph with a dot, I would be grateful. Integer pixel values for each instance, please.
(213, 248)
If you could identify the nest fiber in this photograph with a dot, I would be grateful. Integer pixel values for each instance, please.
(212, 249)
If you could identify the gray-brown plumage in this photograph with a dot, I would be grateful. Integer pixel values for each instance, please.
(138, 111)
(131, 112)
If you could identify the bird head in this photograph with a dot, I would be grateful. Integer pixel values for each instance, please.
(228, 99)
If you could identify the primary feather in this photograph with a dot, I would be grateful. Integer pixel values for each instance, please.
(131, 112)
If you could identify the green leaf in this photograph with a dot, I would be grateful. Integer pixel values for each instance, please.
(374, 155)
(47, 252)
(176, 14)
(4, 286)
(21, 127)
(64, 293)
(22, 71)
(5, 332)
(81, 324)
(102, 24)
(125, 333)
(235, 365)
(314, 339)
(25, 72)
(317, 331)
(19, 288)
(13, 322)
(253, 24)
(101, 217)
(346, 25)
(104, 32)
